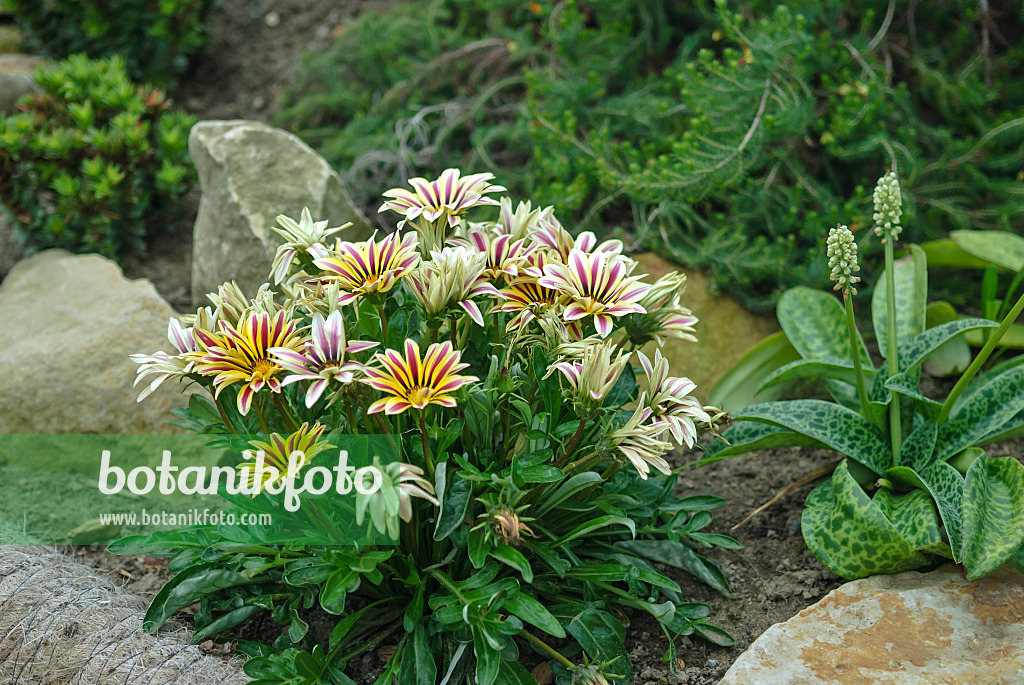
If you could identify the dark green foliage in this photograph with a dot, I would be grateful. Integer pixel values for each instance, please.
(727, 141)
(90, 158)
(155, 37)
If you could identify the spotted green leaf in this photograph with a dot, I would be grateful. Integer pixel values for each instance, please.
(910, 387)
(834, 369)
(911, 290)
(850, 534)
(842, 429)
(954, 355)
(1018, 559)
(1001, 248)
(918, 449)
(913, 515)
(744, 437)
(993, 513)
(986, 412)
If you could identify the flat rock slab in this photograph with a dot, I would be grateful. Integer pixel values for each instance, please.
(909, 628)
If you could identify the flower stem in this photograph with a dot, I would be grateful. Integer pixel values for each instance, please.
(982, 357)
(259, 415)
(851, 326)
(546, 648)
(572, 443)
(895, 430)
(223, 416)
(351, 417)
(426, 448)
(579, 462)
(282, 408)
(383, 323)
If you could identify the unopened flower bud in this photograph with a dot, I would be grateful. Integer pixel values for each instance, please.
(842, 258)
(888, 207)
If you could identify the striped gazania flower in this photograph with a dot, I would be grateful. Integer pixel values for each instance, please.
(522, 221)
(670, 402)
(369, 266)
(453, 276)
(414, 381)
(164, 365)
(324, 358)
(550, 236)
(242, 354)
(505, 256)
(400, 482)
(597, 285)
(447, 197)
(527, 300)
(665, 317)
(641, 443)
(299, 236)
(595, 373)
(278, 464)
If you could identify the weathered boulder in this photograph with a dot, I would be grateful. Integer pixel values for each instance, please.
(16, 79)
(250, 173)
(910, 628)
(725, 330)
(11, 250)
(67, 326)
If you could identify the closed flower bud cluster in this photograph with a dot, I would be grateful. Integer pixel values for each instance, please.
(888, 207)
(842, 258)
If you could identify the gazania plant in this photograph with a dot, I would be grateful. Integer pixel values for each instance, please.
(529, 512)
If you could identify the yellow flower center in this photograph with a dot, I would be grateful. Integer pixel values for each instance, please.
(418, 395)
(263, 368)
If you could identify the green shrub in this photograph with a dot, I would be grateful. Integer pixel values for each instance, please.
(725, 140)
(156, 38)
(91, 157)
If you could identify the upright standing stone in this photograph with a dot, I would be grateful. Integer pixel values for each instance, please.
(249, 174)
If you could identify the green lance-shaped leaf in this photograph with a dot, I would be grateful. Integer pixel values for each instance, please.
(601, 637)
(530, 610)
(682, 557)
(187, 588)
(911, 286)
(593, 526)
(913, 515)
(842, 429)
(1001, 248)
(849, 533)
(418, 665)
(739, 386)
(945, 252)
(993, 514)
(986, 412)
(455, 494)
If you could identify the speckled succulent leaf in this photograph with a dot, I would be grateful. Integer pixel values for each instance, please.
(1002, 248)
(993, 513)
(918, 450)
(989, 410)
(911, 285)
(946, 486)
(842, 429)
(953, 356)
(835, 369)
(849, 533)
(1018, 559)
(745, 437)
(911, 387)
(815, 323)
(913, 515)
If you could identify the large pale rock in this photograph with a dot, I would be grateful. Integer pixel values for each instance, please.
(249, 174)
(67, 326)
(908, 629)
(724, 333)
(16, 79)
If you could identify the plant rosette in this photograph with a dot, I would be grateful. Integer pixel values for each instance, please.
(532, 503)
(914, 486)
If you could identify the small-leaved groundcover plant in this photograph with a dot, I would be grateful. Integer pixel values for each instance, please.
(914, 485)
(533, 498)
(87, 162)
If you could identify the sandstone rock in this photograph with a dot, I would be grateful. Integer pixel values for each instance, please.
(724, 333)
(910, 628)
(249, 174)
(67, 326)
(20, 65)
(16, 79)
(11, 250)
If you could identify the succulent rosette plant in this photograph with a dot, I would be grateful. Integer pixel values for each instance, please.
(530, 505)
(914, 486)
